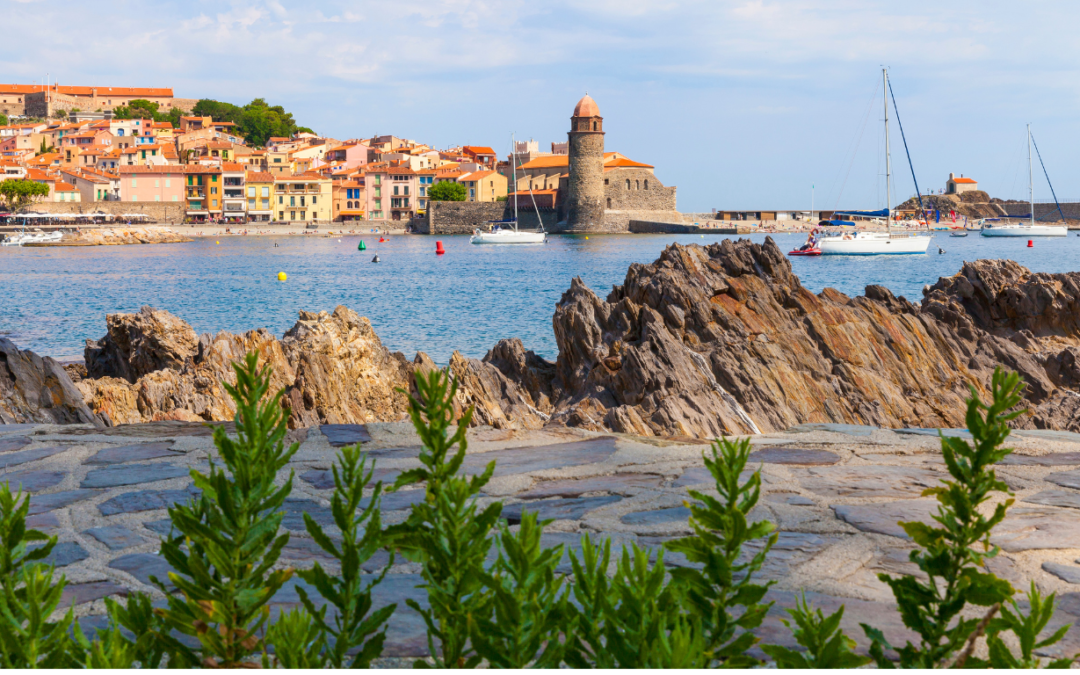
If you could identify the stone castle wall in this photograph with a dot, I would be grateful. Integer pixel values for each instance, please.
(1042, 210)
(458, 217)
(585, 199)
(160, 212)
(645, 192)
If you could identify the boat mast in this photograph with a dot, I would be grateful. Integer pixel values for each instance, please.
(513, 169)
(1031, 179)
(888, 160)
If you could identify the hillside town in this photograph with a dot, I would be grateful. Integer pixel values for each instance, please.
(209, 173)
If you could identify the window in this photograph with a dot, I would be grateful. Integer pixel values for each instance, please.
(609, 202)
(627, 183)
(395, 189)
(638, 184)
(174, 198)
(292, 201)
(213, 190)
(314, 200)
(251, 191)
(168, 182)
(292, 215)
(406, 190)
(132, 182)
(646, 183)
(157, 198)
(280, 199)
(251, 203)
(266, 204)
(281, 215)
(594, 126)
(605, 181)
(157, 182)
(266, 191)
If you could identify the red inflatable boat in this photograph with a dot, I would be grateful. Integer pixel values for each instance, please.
(809, 251)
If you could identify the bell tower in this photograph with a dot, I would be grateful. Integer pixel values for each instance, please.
(585, 188)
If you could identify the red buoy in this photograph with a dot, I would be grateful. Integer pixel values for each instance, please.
(439, 250)
(1031, 244)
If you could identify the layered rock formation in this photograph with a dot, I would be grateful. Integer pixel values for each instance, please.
(37, 389)
(150, 366)
(115, 236)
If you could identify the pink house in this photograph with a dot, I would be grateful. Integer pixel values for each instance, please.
(353, 155)
(152, 184)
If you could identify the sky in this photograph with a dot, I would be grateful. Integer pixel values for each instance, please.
(742, 104)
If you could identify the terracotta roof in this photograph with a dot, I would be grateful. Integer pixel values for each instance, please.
(86, 91)
(626, 164)
(232, 167)
(38, 174)
(64, 187)
(963, 180)
(548, 162)
(259, 177)
(200, 168)
(151, 169)
(478, 150)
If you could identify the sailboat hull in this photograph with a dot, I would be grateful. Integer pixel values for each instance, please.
(1025, 231)
(509, 237)
(874, 243)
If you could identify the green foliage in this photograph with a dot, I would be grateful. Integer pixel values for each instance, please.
(256, 122)
(348, 591)
(1027, 628)
(447, 533)
(141, 108)
(28, 595)
(530, 602)
(447, 191)
(824, 642)
(299, 640)
(952, 555)
(725, 582)
(138, 617)
(18, 192)
(228, 542)
(3, 120)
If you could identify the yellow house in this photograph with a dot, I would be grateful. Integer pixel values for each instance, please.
(260, 195)
(483, 186)
(306, 197)
(66, 192)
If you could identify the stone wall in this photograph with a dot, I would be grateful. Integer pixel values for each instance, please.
(654, 197)
(1022, 209)
(654, 227)
(585, 196)
(160, 212)
(459, 217)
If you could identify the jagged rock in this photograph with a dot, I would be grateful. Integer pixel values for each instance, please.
(724, 339)
(509, 387)
(140, 343)
(151, 367)
(38, 389)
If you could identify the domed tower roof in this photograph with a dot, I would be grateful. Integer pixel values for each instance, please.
(586, 107)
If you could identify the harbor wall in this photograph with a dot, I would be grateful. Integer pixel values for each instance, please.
(712, 227)
(161, 212)
(1071, 210)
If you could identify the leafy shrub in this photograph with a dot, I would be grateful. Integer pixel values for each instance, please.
(347, 591)
(229, 542)
(447, 533)
(825, 644)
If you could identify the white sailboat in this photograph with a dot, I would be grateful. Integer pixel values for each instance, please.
(992, 228)
(877, 243)
(506, 231)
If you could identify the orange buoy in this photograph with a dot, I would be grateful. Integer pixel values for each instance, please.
(439, 250)
(1031, 244)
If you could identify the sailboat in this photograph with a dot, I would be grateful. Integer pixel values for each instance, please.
(991, 228)
(506, 231)
(877, 243)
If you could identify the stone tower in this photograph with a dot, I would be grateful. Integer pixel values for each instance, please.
(585, 189)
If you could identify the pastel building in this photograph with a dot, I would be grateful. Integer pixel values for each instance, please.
(151, 183)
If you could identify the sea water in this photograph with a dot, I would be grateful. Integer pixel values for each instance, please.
(53, 299)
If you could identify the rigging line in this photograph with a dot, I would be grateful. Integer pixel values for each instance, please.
(1059, 211)
(908, 152)
(855, 149)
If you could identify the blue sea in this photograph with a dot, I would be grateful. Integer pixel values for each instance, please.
(53, 299)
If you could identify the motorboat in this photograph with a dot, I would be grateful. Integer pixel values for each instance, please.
(37, 237)
(958, 233)
(890, 242)
(506, 231)
(807, 252)
(995, 227)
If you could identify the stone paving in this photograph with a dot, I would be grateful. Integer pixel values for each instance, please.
(835, 493)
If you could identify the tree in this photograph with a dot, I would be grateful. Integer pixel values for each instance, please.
(139, 108)
(257, 121)
(3, 120)
(18, 192)
(447, 191)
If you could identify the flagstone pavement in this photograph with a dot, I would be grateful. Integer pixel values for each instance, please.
(835, 493)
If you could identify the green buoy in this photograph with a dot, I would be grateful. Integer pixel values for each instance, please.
(362, 246)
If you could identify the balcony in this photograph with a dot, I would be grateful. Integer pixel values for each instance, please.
(234, 194)
(234, 207)
(196, 193)
(234, 182)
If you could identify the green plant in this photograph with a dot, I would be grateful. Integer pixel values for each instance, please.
(228, 543)
(825, 644)
(952, 555)
(18, 193)
(138, 617)
(28, 594)
(299, 640)
(447, 191)
(725, 581)
(1026, 628)
(347, 591)
(447, 533)
(529, 598)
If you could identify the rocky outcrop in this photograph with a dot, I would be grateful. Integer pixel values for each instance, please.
(150, 366)
(38, 389)
(117, 236)
(510, 388)
(724, 339)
